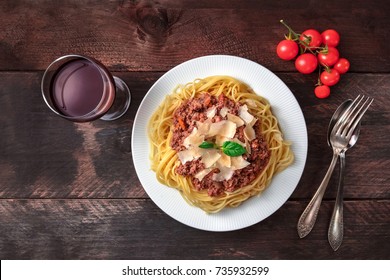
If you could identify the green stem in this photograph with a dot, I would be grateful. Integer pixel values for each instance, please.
(303, 43)
(291, 32)
(319, 74)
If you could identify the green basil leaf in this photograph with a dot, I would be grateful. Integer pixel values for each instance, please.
(233, 149)
(207, 145)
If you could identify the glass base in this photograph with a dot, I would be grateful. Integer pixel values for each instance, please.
(121, 103)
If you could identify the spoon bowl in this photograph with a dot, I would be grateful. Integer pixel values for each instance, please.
(336, 115)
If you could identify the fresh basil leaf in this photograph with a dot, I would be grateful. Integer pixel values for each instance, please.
(207, 145)
(233, 149)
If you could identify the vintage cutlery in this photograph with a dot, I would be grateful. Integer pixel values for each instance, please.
(340, 136)
(304, 229)
(336, 227)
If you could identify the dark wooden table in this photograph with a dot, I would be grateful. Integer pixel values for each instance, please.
(70, 190)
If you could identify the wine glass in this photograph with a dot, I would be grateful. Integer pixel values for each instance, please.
(80, 89)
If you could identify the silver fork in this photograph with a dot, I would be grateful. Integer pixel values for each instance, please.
(339, 139)
(343, 130)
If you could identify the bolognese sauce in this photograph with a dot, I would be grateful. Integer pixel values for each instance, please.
(208, 109)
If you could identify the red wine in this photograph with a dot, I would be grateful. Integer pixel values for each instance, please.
(81, 88)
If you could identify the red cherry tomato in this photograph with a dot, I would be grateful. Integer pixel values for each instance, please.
(330, 37)
(330, 78)
(342, 65)
(330, 57)
(306, 63)
(314, 39)
(322, 91)
(287, 49)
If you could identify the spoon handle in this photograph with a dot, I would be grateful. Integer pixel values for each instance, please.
(309, 215)
(336, 227)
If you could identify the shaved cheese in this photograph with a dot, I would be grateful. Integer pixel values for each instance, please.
(225, 160)
(237, 120)
(203, 128)
(187, 155)
(200, 175)
(238, 142)
(211, 112)
(239, 163)
(252, 123)
(210, 157)
(244, 114)
(223, 112)
(224, 174)
(194, 139)
(219, 140)
(249, 133)
(222, 128)
(219, 133)
(251, 102)
(248, 147)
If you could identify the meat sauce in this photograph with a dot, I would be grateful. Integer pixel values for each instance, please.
(185, 119)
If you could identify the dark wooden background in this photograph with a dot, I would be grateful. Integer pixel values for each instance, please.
(70, 191)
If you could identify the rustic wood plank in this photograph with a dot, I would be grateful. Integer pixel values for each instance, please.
(44, 156)
(137, 229)
(157, 35)
(70, 191)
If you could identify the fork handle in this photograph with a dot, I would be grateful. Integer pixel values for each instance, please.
(336, 227)
(309, 215)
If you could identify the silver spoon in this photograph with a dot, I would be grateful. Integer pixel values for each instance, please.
(336, 228)
(308, 218)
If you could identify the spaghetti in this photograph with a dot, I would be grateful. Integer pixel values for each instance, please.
(166, 152)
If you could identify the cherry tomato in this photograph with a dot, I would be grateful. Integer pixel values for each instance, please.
(330, 37)
(322, 91)
(306, 63)
(330, 57)
(315, 38)
(287, 49)
(342, 65)
(330, 78)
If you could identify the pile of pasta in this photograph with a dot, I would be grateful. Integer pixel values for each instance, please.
(164, 159)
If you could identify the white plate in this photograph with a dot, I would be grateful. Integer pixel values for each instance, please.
(284, 106)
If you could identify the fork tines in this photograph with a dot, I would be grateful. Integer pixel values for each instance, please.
(352, 116)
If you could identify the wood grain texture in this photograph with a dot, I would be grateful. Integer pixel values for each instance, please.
(137, 229)
(44, 156)
(70, 191)
(157, 35)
